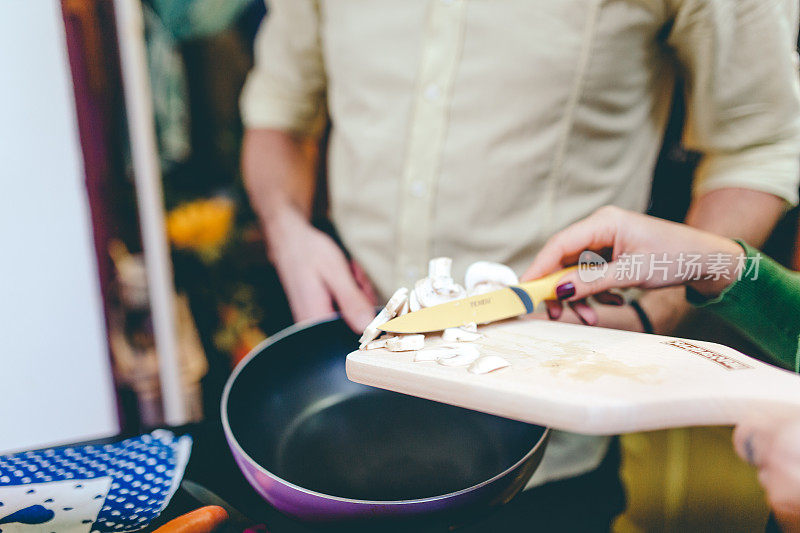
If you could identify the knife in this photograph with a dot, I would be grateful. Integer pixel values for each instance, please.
(481, 308)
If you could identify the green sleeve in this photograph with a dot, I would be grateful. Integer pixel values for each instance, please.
(764, 304)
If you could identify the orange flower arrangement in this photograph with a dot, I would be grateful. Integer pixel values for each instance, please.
(201, 225)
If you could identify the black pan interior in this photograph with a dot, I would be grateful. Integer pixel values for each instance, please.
(293, 410)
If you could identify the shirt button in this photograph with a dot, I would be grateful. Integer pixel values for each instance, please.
(417, 189)
(432, 92)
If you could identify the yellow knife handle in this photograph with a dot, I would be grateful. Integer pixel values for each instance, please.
(542, 289)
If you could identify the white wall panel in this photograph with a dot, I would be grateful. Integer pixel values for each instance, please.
(55, 377)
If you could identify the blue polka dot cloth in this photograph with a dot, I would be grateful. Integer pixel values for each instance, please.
(107, 487)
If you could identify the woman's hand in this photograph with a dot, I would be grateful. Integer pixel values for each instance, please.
(644, 252)
(772, 445)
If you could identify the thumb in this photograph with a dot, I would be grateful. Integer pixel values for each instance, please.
(771, 444)
(754, 437)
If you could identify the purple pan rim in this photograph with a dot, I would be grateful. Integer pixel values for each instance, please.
(233, 442)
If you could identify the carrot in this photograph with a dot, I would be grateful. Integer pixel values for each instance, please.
(203, 520)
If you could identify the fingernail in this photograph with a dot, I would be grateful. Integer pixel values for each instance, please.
(749, 450)
(565, 290)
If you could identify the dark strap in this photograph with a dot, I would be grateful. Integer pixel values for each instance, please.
(647, 326)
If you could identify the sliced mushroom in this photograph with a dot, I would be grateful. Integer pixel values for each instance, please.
(464, 356)
(433, 354)
(460, 335)
(371, 332)
(488, 363)
(484, 276)
(403, 310)
(396, 302)
(374, 345)
(413, 301)
(405, 343)
(390, 310)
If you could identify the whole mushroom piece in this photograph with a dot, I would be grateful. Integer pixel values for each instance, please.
(429, 293)
(438, 288)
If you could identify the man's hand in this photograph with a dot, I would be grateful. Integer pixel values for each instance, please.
(316, 275)
(279, 169)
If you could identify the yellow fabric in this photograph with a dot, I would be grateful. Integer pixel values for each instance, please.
(688, 480)
(475, 129)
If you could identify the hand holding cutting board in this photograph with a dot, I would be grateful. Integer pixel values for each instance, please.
(706, 384)
(605, 381)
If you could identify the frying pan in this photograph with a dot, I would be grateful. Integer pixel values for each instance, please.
(322, 448)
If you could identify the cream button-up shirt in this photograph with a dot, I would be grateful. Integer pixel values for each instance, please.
(475, 129)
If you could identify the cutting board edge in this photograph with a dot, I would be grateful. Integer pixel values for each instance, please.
(575, 418)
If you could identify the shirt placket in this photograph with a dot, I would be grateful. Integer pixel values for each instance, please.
(441, 51)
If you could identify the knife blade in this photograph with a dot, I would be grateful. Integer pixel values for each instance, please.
(481, 309)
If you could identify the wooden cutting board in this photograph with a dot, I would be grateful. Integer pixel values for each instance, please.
(591, 380)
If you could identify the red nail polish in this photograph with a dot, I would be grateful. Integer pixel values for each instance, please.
(565, 290)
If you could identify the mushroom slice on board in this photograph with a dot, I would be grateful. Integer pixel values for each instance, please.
(404, 309)
(413, 301)
(459, 335)
(488, 363)
(371, 332)
(464, 355)
(434, 354)
(374, 345)
(395, 304)
(405, 343)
